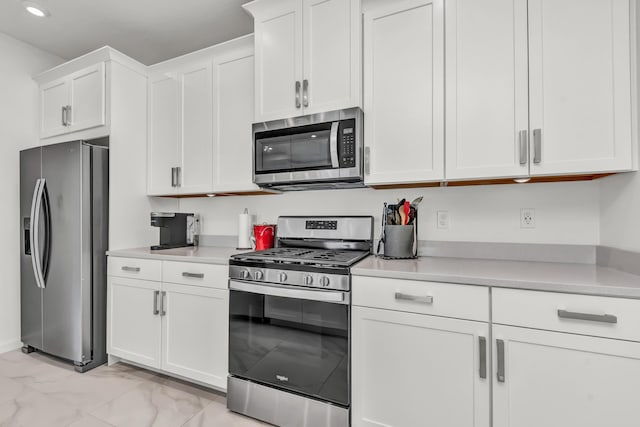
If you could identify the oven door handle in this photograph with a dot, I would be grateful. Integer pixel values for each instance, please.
(336, 297)
(333, 145)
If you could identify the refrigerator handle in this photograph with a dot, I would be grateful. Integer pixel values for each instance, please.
(46, 257)
(34, 232)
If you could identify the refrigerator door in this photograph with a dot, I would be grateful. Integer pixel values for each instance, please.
(30, 292)
(66, 302)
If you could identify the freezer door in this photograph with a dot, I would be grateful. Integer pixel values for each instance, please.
(30, 292)
(66, 303)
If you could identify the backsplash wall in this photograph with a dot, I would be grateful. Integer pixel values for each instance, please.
(565, 213)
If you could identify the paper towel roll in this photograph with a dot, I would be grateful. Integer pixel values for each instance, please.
(244, 230)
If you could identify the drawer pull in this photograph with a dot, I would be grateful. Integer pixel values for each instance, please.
(428, 299)
(602, 318)
(131, 269)
(193, 275)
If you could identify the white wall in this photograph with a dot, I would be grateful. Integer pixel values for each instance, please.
(566, 213)
(18, 130)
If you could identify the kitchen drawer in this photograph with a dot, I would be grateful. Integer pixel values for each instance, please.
(617, 318)
(189, 273)
(135, 268)
(439, 299)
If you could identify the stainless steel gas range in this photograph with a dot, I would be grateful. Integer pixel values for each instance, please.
(290, 322)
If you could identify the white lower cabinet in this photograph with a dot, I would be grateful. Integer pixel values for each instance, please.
(134, 326)
(417, 370)
(412, 368)
(177, 328)
(564, 360)
(559, 379)
(195, 340)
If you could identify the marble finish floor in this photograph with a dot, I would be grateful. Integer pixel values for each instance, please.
(39, 391)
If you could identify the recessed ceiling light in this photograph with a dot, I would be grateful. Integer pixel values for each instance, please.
(36, 9)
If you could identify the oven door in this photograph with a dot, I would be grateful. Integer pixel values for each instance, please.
(290, 338)
(305, 153)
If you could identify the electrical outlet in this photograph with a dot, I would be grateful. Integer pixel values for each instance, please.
(443, 219)
(527, 218)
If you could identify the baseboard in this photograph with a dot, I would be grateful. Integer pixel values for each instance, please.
(10, 346)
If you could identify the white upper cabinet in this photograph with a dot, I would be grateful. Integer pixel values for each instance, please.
(195, 174)
(486, 85)
(404, 92)
(180, 145)
(539, 88)
(163, 143)
(233, 77)
(74, 102)
(580, 86)
(307, 56)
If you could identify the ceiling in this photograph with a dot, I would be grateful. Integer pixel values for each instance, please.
(147, 30)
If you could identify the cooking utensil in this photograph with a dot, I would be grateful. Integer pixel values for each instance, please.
(407, 209)
(384, 222)
(416, 201)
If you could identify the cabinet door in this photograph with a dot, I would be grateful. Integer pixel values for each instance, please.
(196, 175)
(417, 370)
(134, 324)
(331, 40)
(88, 103)
(558, 379)
(53, 97)
(232, 119)
(163, 143)
(196, 333)
(486, 89)
(278, 44)
(580, 93)
(404, 92)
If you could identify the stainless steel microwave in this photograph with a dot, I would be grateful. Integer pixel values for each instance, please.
(310, 152)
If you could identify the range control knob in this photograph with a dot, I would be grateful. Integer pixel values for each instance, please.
(258, 275)
(245, 274)
(283, 277)
(308, 280)
(324, 281)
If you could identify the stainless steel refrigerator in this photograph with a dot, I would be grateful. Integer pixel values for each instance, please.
(64, 202)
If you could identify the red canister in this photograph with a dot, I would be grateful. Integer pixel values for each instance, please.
(264, 235)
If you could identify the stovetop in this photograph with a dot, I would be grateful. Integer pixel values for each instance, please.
(303, 256)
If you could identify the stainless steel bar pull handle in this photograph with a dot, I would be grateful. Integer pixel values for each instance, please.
(500, 371)
(305, 92)
(482, 349)
(174, 177)
(163, 303)
(178, 176)
(333, 144)
(367, 160)
(537, 146)
(131, 269)
(589, 317)
(193, 275)
(426, 299)
(63, 117)
(298, 105)
(68, 115)
(34, 232)
(156, 294)
(523, 141)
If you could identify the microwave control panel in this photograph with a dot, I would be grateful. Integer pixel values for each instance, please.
(347, 143)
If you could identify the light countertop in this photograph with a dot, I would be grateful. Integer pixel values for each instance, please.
(201, 254)
(542, 276)
(586, 279)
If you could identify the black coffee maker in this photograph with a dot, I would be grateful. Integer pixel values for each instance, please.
(177, 230)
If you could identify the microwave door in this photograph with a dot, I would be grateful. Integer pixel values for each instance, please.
(273, 154)
(312, 150)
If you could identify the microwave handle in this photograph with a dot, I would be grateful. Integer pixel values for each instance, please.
(333, 144)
